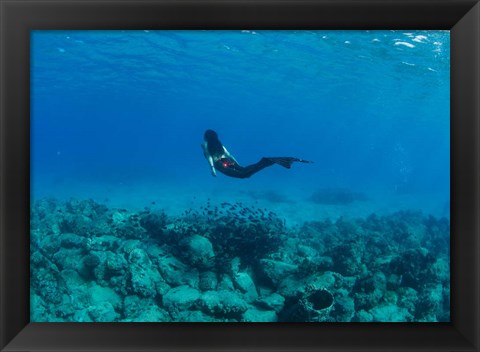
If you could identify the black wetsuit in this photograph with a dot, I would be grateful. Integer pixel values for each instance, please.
(230, 167)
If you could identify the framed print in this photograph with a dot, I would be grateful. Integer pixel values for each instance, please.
(240, 176)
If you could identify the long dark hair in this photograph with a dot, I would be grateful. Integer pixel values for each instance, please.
(214, 146)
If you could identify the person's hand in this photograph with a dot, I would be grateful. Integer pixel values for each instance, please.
(214, 173)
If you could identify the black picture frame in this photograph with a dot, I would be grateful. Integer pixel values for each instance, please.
(18, 17)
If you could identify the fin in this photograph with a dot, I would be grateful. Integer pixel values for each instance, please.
(287, 162)
(304, 161)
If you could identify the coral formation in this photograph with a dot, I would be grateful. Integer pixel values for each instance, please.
(230, 262)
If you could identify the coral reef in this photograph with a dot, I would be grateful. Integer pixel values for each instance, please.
(233, 230)
(229, 262)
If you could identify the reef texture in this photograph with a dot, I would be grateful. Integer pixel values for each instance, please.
(232, 263)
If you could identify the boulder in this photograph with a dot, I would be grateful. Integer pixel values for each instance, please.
(274, 271)
(260, 316)
(198, 251)
(222, 304)
(244, 283)
(273, 302)
(138, 309)
(180, 298)
(208, 281)
(143, 275)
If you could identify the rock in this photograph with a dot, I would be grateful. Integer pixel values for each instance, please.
(155, 252)
(50, 244)
(77, 289)
(222, 304)
(180, 299)
(138, 309)
(326, 280)
(119, 218)
(343, 282)
(306, 251)
(153, 314)
(315, 304)
(363, 317)
(369, 291)
(275, 271)
(208, 281)
(72, 279)
(82, 316)
(172, 270)
(393, 281)
(235, 264)
(273, 302)
(264, 291)
(161, 286)
(115, 264)
(441, 269)
(71, 240)
(390, 313)
(191, 278)
(415, 267)
(194, 316)
(91, 261)
(291, 287)
(244, 283)
(102, 312)
(142, 274)
(129, 245)
(98, 294)
(347, 257)
(38, 309)
(430, 303)
(390, 297)
(46, 285)
(226, 283)
(324, 262)
(198, 251)
(407, 298)
(154, 224)
(132, 305)
(343, 309)
(37, 259)
(68, 258)
(259, 316)
(103, 243)
(112, 271)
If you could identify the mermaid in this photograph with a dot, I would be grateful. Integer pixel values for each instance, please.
(220, 159)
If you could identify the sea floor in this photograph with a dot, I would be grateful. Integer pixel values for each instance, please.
(295, 207)
(159, 252)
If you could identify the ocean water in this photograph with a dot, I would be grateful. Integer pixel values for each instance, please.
(129, 225)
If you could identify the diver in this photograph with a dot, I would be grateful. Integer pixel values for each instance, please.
(220, 159)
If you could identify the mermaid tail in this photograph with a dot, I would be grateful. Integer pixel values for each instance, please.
(287, 162)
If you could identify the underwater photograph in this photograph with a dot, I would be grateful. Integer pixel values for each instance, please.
(240, 176)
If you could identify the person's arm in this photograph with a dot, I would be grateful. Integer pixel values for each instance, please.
(209, 159)
(229, 155)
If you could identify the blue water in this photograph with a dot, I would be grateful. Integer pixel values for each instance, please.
(128, 224)
(371, 108)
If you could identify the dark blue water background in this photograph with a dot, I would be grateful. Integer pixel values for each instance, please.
(120, 115)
